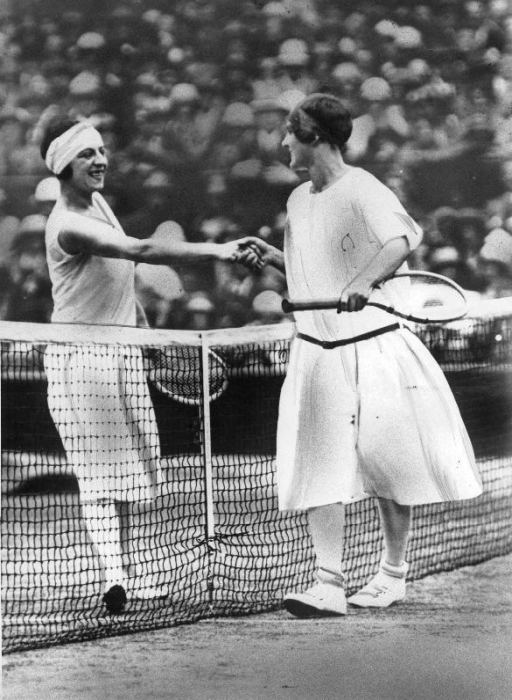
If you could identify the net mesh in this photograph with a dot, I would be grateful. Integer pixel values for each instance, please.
(193, 484)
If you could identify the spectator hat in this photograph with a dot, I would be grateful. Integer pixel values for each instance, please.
(386, 28)
(175, 55)
(169, 230)
(146, 81)
(212, 229)
(275, 9)
(238, 114)
(160, 280)
(157, 180)
(347, 46)
(444, 255)
(199, 303)
(183, 93)
(293, 52)
(418, 68)
(85, 83)
(33, 223)
(151, 16)
(291, 98)
(21, 116)
(48, 190)
(268, 105)
(31, 230)
(267, 303)
(408, 38)
(375, 89)
(497, 247)
(347, 72)
(90, 41)
(102, 120)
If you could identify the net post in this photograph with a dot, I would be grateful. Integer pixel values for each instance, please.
(206, 444)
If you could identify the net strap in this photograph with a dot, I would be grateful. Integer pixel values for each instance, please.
(330, 344)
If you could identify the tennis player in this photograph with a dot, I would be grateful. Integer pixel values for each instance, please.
(371, 414)
(97, 395)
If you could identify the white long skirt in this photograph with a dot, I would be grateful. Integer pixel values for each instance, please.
(99, 401)
(374, 418)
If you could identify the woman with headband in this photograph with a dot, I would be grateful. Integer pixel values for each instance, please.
(104, 415)
(374, 415)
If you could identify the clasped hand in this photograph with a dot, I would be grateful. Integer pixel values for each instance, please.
(354, 297)
(249, 251)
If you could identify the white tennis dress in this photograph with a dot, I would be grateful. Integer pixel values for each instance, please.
(97, 394)
(374, 417)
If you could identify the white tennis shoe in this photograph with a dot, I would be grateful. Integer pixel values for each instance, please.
(325, 598)
(386, 588)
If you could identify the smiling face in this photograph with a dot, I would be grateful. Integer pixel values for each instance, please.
(301, 154)
(89, 167)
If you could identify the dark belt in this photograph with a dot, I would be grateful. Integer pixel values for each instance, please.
(330, 344)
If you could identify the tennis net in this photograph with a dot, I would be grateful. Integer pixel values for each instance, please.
(211, 535)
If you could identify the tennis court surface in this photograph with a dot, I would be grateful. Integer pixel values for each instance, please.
(451, 639)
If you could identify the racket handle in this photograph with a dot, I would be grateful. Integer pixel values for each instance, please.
(288, 305)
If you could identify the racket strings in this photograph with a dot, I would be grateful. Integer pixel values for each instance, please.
(177, 372)
(429, 298)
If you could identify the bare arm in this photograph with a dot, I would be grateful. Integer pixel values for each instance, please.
(383, 265)
(86, 235)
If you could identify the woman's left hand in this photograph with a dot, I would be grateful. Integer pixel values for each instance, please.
(354, 297)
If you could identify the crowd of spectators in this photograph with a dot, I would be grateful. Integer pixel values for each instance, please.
(191, 97)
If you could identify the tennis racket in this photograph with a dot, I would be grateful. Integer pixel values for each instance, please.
(176, 372)
(422, 297)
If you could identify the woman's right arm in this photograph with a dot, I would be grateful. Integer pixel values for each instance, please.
(85, 235)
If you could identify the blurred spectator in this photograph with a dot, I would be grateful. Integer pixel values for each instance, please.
(29, 297)
(447, 261)
(266, 307)
(200, 312)
(496, 264)
(159, 203)
(294, 67)
(158, 288)
(9, 226)
(45, 195)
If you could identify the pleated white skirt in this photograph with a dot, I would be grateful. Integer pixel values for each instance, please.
(99, 401)
(374, 418)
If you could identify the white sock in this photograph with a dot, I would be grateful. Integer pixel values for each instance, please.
(394, 571)
(326, 525)
(104, 530)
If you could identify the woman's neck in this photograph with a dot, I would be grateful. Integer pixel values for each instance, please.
(327, 167)
(76, 199)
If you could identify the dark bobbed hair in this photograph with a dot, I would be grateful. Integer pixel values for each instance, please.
(57, 126)
(321, 117)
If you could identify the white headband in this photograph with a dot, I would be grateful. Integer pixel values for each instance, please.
(68, 145)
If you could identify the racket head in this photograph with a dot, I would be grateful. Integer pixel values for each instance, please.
(176, 372)
(422, 297)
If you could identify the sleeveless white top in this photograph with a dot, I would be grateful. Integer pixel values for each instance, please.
(330, 237)
(89, 288)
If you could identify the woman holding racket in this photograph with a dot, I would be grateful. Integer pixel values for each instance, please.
(365, 410)
(98, 395)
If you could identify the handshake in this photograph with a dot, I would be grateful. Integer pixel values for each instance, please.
(251, 251)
